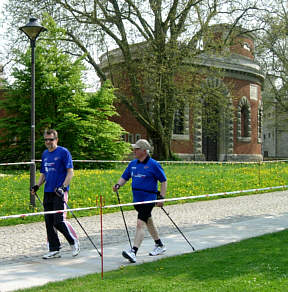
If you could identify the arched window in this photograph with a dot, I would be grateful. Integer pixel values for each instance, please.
(244, 120)
(181, 123)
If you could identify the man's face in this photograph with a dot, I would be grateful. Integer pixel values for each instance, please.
(50, 142)
(139, 153)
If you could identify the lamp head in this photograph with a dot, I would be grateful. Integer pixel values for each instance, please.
(32, 29)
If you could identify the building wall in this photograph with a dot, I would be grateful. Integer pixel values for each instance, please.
(242, 88)
(184, 145)
(134, 129)
(282, 142)
(243, 46)
(275, 134)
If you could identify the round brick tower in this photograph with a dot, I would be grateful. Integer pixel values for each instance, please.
(239, 129)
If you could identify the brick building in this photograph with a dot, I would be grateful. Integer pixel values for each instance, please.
(239, 133)
(275, 124)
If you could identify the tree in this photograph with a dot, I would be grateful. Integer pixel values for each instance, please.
(81, 118)
(172, 31)
(87, 129)
(273, 55)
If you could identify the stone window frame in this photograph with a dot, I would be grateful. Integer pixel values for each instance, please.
(137, 137)
(244, 102)
(186, 134)
(229, 120)
(130, 138)
(260, 121)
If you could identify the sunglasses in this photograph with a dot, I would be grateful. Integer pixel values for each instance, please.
(49, 139)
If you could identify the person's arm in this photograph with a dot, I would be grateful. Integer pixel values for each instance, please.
(41, 180)
(68, 178)
(123, 179)
(163, 189)
(121, 182)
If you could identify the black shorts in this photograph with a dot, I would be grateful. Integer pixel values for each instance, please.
(144, 211)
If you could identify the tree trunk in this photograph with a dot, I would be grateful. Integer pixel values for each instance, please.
(161, 148)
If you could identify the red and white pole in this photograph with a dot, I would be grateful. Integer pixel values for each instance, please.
(101, 224)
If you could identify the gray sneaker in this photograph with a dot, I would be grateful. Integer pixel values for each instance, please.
(129, 255)
(157, 250)
(52, 255)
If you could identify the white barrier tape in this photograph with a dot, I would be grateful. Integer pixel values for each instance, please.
(183, 161)
(45, 212)
(164, 161)
(186, 162)
(97, 161)
(16, 163)
(144, 202)
(103, 161)
(220, 162)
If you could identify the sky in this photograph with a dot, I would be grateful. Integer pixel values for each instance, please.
(93, 84)
(2, 27)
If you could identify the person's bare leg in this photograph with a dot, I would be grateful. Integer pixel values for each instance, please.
(139, 236)
(159, 247)
(152, 229)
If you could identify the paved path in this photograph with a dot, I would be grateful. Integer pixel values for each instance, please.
(206, 224)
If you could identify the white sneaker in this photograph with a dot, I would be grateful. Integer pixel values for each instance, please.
(129, 255)
(75, 248)
(52, 255)
(157, 250)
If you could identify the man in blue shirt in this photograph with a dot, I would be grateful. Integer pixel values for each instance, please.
(56, 172)
(145, 173)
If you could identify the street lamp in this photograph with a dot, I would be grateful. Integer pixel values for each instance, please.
(32, 30)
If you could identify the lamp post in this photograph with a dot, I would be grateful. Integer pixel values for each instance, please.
(32, 30)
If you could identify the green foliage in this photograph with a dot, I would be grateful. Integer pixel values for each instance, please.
(87, 128)
(183, 180)
(82, 119)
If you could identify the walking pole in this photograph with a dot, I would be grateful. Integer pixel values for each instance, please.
(177, 228)
(79, 223)
(39, 199)
(124, 219)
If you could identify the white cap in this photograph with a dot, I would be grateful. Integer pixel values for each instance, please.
(142, 144)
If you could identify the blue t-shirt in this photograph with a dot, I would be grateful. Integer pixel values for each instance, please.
(54, 166)
(145, 176)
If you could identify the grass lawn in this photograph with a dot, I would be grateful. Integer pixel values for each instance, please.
(183, 180)
(257, 264)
